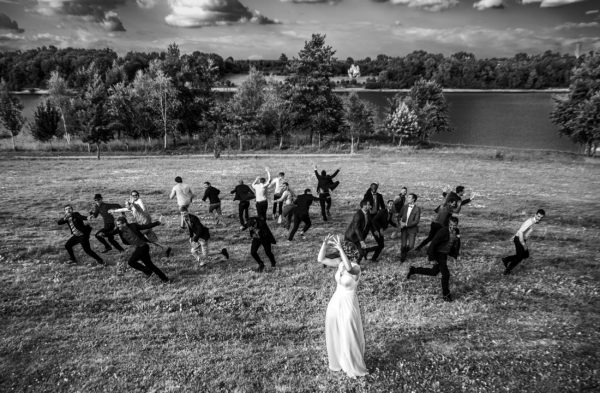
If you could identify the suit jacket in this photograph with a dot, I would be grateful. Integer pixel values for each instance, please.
(453, 196)
(197, 230)
(212, 194)
(439, 243)
(242, 193)
(371, 198)
(78, 223)
(103, 209)
(136, 229)
(382, 220)
(324, 182)
(260, 230)
(359, 227)
(303, 203)
(399, 202)
(412, 222)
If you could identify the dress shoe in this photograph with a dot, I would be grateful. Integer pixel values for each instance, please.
(225, 253)
(168, 252)
(105, 250)
(448, 298)
(259, 269)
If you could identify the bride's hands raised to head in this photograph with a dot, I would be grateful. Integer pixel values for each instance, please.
(335, 241)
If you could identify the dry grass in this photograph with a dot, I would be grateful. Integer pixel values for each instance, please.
(225, 328)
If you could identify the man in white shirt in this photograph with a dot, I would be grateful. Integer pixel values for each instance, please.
(185, 196)
(520, 240)
(278, 185)
(260, 187)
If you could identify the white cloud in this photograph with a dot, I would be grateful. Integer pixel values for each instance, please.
(485, 4)
(93, 11)
(311, 1)
(428, 5)
(551, 3)
(198, 13)
(11, 37)
(505, 42)
(147, 3)
(573, 25)
(590, 12)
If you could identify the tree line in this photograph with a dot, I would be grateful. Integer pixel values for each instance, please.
(173, 99)
(31, 68)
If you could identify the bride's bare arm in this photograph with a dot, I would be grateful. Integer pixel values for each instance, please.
(321, 258)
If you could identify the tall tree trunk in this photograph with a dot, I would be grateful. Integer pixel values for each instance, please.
(97, 151)
(165, 140)
(351, 144)
(240, 137)
(67, 135)
(400, 142)
(319, 140)
(281, 142)
(13, 141)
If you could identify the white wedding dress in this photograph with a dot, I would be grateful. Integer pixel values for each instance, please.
(343, 326)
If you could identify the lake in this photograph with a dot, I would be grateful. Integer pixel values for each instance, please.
(516, 120)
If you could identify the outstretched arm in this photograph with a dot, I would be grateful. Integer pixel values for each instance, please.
(335, 173)
(336, 241)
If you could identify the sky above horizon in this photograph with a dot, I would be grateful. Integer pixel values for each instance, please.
(264, 29)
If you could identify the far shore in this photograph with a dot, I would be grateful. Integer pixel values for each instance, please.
(360, 89)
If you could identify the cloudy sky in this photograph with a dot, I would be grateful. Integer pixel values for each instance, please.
(266, 28)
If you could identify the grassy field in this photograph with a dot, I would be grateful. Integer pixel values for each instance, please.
(225, 328)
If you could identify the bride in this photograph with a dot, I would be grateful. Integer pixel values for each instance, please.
(343, 325)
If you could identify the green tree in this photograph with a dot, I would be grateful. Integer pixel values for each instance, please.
(11, 117)
(62, 98)
(275, 114)
(164, 96)
(46, 120)
(359, 117)
(402, 122)
(245, 105)
(309, 87)
(576, 113)
(92, 113)
(139, 97)
(427, 100)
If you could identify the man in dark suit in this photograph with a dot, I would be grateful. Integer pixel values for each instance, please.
(261, 236)
(80, 232)
(446, 242)
(441, 219)
(379, 223)
(244, 194)
(399, 202)
(410, 215)
(101, 208)
(359, 228)
(324, 187)
(131, 235)
(375, 198)
(457, 196)
(301, 213)
(199, 236)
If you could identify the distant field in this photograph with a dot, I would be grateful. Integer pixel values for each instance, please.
(225, 328)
